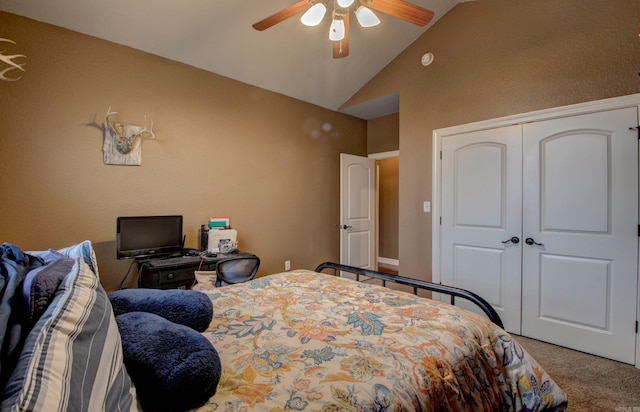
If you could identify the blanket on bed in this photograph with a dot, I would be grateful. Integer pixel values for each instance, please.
(14, 265)
(313, 342)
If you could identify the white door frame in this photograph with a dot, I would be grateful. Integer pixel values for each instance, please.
(632, 100)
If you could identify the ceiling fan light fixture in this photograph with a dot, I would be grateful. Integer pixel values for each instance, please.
(345, 3)
(314, 12)
(336, 32)
(314, 15)
(366, 17)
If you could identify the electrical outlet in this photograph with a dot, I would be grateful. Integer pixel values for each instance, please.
(287, 265)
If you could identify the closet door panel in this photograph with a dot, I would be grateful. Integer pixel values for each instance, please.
(481, 211)
(575, 176)
(580, 210)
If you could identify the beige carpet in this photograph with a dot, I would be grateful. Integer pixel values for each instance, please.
(590, 382)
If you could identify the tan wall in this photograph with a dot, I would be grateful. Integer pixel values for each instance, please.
(221, 148)
(388, 207)
(495, 58)
(383, 134)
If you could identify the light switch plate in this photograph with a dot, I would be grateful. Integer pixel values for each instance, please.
(426, 207)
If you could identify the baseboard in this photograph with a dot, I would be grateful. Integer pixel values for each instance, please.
(388, 263)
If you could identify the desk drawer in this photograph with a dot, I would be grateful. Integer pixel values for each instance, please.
(166, 278)
(174, 275)
(171, 276)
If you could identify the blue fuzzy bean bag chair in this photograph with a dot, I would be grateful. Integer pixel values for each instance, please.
(186, 307)
(173, 367)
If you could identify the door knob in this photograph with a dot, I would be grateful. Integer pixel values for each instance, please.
(515, 240)
(530, 241)
(344, 227)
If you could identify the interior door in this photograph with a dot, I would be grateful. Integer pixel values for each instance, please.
(581, 213)
(357, 211)
(481, 218)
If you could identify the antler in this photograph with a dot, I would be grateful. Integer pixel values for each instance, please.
(9, 60)
(109, 113)
(145, 130)
(141, 132)
(124, 143)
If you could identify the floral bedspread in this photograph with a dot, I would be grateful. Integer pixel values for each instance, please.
(303, 341)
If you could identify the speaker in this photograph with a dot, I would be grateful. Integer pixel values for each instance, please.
(204, 238)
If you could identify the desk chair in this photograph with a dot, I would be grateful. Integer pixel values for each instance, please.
(236, 269)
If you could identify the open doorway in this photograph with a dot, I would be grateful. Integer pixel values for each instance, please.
(383, 144)
(387, 165)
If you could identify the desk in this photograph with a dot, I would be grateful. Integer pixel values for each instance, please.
(179, 274)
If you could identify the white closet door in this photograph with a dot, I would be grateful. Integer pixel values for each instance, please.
(481, 212)
(580, 206)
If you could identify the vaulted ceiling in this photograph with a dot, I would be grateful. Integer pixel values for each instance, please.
(217, 36)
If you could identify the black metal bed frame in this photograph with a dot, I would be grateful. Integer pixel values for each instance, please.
(453, 292)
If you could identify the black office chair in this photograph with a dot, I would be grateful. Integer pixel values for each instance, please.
(236, 269)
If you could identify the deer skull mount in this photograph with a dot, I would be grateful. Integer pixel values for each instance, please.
(126, 136)
(122, 142)
(10, 60)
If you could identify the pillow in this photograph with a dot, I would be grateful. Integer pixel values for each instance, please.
(185, 307)
(83, 250)
(72, 358)
(49, 256)
(40, 285)
(173, 367)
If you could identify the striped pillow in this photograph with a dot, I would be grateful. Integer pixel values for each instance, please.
(85, 251)
(72, 359)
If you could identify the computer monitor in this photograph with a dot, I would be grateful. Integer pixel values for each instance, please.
(142, 237)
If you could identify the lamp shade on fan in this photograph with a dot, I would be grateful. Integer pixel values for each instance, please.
(366, 17)
(314, 15)
(336, 32)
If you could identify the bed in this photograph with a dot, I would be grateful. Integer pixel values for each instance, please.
(303, 340)
(309, 341)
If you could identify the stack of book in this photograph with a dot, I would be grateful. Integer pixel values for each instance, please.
(219, 222)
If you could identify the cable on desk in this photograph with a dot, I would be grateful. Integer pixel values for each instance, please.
(195, 281)
(126, 275)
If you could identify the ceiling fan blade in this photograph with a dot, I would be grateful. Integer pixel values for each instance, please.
(402, 10)
(341, 47)
(282, 15)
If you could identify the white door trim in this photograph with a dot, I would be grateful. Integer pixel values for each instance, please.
(384, 155)
(632, 100)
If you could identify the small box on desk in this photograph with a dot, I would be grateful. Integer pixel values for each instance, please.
(216, 235)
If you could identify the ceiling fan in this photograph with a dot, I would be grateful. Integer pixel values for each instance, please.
(339, 30)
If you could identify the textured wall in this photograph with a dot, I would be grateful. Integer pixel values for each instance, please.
(383, 134)
(495, 58)
(222, 147)
(388, 207)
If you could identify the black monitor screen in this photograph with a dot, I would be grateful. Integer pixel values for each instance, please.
(148, 236)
